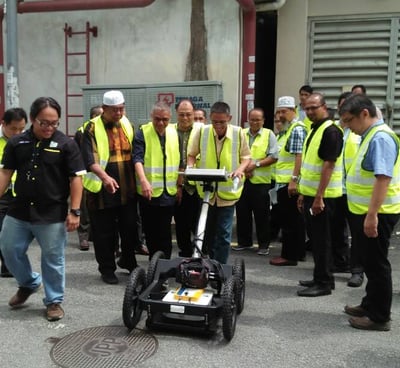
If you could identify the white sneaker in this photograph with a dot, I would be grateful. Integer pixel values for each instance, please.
(263, 252)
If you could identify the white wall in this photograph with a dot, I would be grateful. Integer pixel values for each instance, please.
(134, 46)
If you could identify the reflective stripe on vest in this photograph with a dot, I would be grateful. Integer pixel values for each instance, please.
(360, 182)
(229, 159)
(286, 160)
(261, 175)
(311, 167)
(351, 144)
(154, 168)
(91, 181)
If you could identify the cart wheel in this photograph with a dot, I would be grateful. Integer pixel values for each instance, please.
(151, 268)
(238, 271)
(229, 307)
(131, 311)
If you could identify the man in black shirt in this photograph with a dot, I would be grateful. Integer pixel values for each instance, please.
(320, 187)
(49, 168)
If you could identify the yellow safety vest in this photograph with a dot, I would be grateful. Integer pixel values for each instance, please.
(311, 167)
(229, 159)
(351, 144)
(91, 181)
(360, 182)
(261, 175)
(3, 142)
(285, 164)
(155, 170)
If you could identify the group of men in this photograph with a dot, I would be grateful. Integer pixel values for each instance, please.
(327, 173)
(127, 170)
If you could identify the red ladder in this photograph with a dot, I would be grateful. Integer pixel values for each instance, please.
(77, 73)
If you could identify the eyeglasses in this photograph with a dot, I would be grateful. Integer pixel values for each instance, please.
(157, 120)
(348, 119)
(48, 124)
(312, 108)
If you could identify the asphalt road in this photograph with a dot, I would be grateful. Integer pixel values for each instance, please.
(276, 329)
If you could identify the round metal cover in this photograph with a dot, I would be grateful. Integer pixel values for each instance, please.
(99, 347)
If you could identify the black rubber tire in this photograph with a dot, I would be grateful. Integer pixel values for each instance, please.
(131, 311)
(152, 267)
(229, 308)
(239, 271)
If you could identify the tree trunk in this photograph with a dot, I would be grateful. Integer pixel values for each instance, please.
(196, 66)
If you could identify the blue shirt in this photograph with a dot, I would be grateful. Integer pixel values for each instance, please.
(381, 154)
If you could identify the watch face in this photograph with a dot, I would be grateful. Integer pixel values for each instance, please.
(76, 212)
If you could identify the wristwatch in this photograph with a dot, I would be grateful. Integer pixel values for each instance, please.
(75, 211)
(295, 178)
(258, 163)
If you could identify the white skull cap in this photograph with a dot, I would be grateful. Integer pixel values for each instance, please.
(113, 98)
(286, 101)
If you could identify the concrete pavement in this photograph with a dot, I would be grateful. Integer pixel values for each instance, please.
(276, 329)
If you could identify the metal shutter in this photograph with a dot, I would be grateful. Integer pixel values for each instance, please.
(357, 51)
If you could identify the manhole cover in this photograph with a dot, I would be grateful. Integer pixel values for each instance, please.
(99, 347)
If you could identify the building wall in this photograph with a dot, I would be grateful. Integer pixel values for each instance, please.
(292, 38)
(133, 46)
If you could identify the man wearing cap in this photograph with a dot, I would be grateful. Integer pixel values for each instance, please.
(255, 197)
(287, 171)
(156, 158)
(110, 184)
(320, 187)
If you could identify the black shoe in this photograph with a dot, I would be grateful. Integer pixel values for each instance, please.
(121, 264)
(316, 290)
(356, 280)
(110, 278)
(309, 283)
(340, 269)
(5, 272)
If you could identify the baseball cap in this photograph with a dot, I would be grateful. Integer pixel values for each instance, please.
(286, 101)
(112, 98)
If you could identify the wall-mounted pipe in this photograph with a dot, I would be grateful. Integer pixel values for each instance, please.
(52, 6)
(70, 5)
(248, 57)
(249, 50)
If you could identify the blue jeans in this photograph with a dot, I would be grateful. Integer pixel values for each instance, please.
(218, 234)
(15, 238)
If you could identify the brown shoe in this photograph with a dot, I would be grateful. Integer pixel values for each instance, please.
(279, 261)
(356, 311)
(54, 312)
(364, 323)
(21, 296)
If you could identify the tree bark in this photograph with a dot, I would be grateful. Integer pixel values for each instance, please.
(196, 66)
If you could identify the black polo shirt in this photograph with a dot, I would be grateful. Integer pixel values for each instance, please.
(43, 169)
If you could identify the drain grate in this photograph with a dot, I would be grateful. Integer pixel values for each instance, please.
(99, 347)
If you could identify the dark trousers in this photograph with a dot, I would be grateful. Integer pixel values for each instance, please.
(292, 225)
(253, 201)
(4, 268)
(105, 224)
(340, 235)
(320, 233)
(186, 215)
(156, 222)
(374, 259)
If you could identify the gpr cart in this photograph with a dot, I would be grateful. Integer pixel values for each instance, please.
(205, 290)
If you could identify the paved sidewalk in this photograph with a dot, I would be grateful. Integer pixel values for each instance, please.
(276, 329)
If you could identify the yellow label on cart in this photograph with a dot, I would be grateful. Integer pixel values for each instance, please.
(188, 294)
